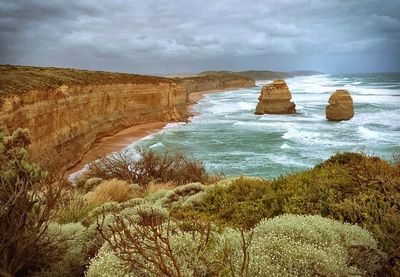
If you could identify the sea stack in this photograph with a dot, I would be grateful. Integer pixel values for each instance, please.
(275, 99)
(340, 106)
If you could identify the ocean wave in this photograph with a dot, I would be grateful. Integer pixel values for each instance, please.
(157, 145)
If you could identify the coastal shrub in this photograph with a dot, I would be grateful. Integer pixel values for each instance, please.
(149, 167)
(113, 207)
(345, 158)
(107, 264)
(72, 261)
(29, 199)
(178, 195)
(357, 189)
(289, 245)
(148, 244)
(91, 183)
(292, 245)
(110, 191)
(239, 202)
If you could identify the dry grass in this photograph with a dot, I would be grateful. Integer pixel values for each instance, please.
(153, 187)
(110, 191)
(74, 208)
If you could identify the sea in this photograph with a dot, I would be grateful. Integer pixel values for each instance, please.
(230, 139)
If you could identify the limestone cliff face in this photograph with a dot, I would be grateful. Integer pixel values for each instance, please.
(275, 99)
(216, 82)
(340, 106)
(66, 121)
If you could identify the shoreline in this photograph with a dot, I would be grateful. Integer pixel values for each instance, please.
(118, 141)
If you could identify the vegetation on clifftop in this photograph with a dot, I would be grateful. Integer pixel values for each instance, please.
(16, 79)
(340, 218)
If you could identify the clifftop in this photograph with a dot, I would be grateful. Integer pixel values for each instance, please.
(265, 74)
(15, 79)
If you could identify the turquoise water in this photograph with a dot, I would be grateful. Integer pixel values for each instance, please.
(230, 138)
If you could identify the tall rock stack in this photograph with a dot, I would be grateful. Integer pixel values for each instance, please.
(340, 106)
(275, 99)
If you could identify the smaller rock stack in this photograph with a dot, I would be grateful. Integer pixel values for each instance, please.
(275, 99)
(340, 106)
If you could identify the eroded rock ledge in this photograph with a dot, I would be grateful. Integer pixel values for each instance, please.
(67, 110)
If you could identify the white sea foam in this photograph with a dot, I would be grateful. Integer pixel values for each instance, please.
(228, 136)
(156, 145)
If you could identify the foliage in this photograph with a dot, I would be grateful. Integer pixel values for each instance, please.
(28, 201)
(91, 183)
(179, 194)
(292, 245)
(351, 188)
(145, 242)
(73, 208)
(73, 259)
(149, 167)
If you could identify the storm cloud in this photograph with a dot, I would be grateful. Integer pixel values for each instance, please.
(164, 37)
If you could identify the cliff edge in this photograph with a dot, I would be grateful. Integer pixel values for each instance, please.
(68, 110)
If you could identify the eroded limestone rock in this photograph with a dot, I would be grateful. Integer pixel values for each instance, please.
(275, 99)
(340, 106)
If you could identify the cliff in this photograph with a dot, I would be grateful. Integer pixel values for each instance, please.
(67, 110)
(215, 81)
(265, 74)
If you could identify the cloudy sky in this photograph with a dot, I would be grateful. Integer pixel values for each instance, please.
(176, 36)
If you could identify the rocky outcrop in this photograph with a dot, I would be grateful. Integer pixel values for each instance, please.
(68, 110)
(340, 106)
(275, 99)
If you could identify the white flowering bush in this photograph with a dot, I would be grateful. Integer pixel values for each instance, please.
(179, 194)
(107, 264)
(142, 241)
(295, 245)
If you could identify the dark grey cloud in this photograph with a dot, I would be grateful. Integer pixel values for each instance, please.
(157, 36)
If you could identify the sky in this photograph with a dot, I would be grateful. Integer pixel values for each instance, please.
(187, 36)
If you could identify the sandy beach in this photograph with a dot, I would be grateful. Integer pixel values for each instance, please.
(128, 136)
(116, 142)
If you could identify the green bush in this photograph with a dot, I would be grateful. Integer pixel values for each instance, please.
(350, 188)
(73, 261)
(29, 200)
